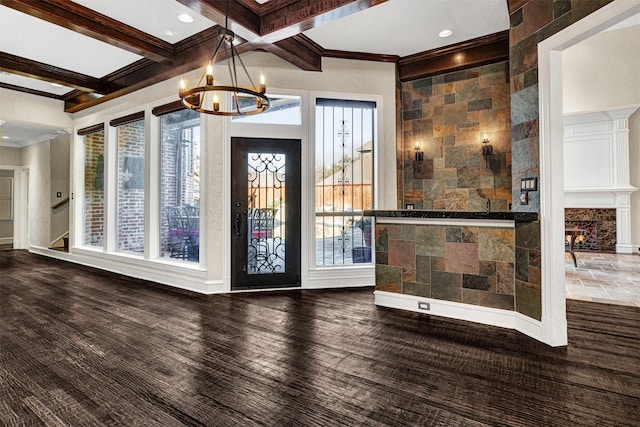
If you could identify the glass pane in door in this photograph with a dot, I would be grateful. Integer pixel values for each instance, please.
(266, 202)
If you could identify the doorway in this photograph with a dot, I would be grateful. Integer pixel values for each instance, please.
(266, 213)
(554, 323)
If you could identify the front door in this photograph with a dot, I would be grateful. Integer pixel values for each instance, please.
(265, 207)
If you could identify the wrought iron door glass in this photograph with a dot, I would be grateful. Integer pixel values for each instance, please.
(266, 248)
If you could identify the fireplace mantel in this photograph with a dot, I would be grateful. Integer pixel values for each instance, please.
(596, 159)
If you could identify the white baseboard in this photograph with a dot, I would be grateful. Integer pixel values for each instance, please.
(349, 277)
(625, 249)
(6, 240)
(189, 279)
(455, 310)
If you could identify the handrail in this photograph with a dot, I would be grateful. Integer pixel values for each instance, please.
(60, 203)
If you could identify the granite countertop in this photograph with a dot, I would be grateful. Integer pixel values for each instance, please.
(403, 213)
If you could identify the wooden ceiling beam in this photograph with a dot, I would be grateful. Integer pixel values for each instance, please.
(460, 56)
(40, 71)
(80, 19)
(298, 50)
(30, 91)
(243, 21)
(303, 15)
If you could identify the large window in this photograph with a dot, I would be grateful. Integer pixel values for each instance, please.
(131, 152)
(94, 188)
(344, 181)
(180, 186)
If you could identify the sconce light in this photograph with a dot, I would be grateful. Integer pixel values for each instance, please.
(419, 154)
(487, 150)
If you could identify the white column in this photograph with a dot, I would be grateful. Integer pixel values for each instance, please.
(623, 223)
(621, 145)
(621, 180)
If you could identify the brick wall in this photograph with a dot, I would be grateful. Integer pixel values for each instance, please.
(131, 150)
(448, 116)
(94, 189)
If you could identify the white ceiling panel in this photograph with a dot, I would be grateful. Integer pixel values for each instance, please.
(405, 27)
(16, 80)
(156, 17)
(58, 46)
(18, 135)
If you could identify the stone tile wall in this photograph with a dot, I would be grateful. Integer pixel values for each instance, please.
(531, 22)
(472, 265)
(448, 115)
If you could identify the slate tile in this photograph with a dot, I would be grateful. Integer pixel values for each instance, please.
(446, 286)
(472, 281)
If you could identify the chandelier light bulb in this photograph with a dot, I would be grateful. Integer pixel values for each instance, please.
(209, 75)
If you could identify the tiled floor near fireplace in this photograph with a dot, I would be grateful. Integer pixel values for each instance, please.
(604, 277)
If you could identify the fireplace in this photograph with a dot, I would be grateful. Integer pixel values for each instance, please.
(599, 227)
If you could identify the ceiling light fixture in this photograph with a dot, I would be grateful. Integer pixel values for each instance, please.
(185, 17)
(445, 33)
(247, 100)
(5, 137)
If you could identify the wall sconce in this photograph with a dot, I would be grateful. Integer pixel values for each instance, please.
(419, 154)
(487, 150)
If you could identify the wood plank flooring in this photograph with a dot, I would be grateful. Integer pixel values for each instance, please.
(84, 347)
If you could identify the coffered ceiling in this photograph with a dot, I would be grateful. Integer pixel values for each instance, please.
(87, 51)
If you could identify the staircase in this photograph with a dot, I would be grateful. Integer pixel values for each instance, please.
(61, 243)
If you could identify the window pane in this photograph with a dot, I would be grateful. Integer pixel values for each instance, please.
(131, 187)
(180, 186)
(284, 110)
(94, 189)
(344, 180)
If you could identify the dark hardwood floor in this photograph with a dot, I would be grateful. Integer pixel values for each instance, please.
(84, 347)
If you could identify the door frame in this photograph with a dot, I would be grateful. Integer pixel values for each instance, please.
(554, 321)
(20, 206)
(229, 129)
(293, 179)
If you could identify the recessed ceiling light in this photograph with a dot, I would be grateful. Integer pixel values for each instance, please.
(55, 84)
(169, 33)
(5, 137)
(445, 33)
(185, 17)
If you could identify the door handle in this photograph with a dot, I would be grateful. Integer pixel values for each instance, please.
(238, 223)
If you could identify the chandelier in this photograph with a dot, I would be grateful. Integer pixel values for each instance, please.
(247, 100)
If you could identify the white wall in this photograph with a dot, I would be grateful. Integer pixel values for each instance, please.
(603, 72)
(27, 108)
(10, 156)
(59, 183)
(36, 158)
